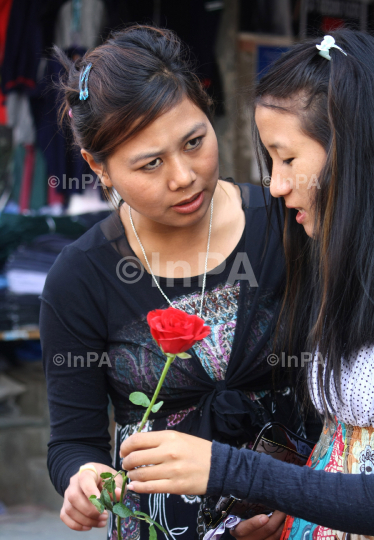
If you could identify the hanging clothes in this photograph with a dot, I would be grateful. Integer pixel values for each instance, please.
(23, 47)
(63, 159)
(80, 23)
(5, 6)
(195, 21)
(28, 172)
(20, 118)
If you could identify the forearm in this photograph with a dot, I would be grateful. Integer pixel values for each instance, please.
(316, 496)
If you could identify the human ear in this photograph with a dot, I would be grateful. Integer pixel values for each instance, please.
(97, 168)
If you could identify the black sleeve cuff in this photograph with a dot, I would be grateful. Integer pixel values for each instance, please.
(218, 468)
(231, 471)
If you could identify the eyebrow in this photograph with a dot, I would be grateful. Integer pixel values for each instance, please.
(276, 145)
(157, 153)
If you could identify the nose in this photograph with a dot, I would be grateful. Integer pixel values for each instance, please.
(181, 173)
(280, 186)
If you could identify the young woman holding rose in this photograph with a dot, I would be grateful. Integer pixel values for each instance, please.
(314, 115)
(141, 119)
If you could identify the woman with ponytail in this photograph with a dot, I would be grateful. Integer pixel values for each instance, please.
(141, 119)
(314, 130)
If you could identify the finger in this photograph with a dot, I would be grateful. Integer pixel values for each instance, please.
(118, 494)
(71, 523)
(141, 441)
(278, 534)
(277, 519)
(267, 531)
(275, 536)
(147, 474)
(142, 457)
(82, 519)
(156, 486)
(79, 499)
(88, 481)
(250, 526)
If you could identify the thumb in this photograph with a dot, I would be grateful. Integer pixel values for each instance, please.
(250, 526)
(88, 482)
(118, 494)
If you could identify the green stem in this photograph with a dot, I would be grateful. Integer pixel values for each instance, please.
(170, 360)
(124, 482)
(119, 532)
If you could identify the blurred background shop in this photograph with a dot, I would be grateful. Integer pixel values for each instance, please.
(48, 197)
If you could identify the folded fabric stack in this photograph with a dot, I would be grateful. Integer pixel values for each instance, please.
(25, 272)
(29, 255)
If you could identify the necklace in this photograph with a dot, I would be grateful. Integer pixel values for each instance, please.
(150, 269)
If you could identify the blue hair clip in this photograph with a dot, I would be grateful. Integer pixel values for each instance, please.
(328, 43)
(83, 93)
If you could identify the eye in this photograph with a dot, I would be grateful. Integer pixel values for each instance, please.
(194, 143)
(152, 164)
(288, 161)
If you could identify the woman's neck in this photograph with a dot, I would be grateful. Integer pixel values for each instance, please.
(187, 246)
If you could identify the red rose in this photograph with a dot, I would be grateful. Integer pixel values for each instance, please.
(174, 330)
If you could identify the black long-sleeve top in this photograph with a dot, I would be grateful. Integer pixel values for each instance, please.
(96, 342)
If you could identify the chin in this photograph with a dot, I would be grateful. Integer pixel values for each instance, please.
(309, 229)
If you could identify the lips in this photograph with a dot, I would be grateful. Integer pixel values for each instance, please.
(299, 209)
(191, 205)
(186, 201)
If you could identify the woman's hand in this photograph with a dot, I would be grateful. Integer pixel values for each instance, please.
(180, 462)
(77, 511)
(260, 527)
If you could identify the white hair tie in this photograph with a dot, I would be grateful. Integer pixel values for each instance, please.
(328, 43)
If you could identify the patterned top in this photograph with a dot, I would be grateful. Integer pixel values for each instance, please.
(220, 313)
(356, 407)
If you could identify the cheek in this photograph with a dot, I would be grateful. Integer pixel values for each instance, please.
(132, 189)
(209, 159)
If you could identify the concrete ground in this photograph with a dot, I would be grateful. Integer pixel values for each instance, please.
(37, 523)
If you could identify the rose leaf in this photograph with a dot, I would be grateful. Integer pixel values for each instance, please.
(138, 398)
(106, 500)
(106, 475)
(97, 504)
(122, 511)
(157, 406)
(152, 533)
